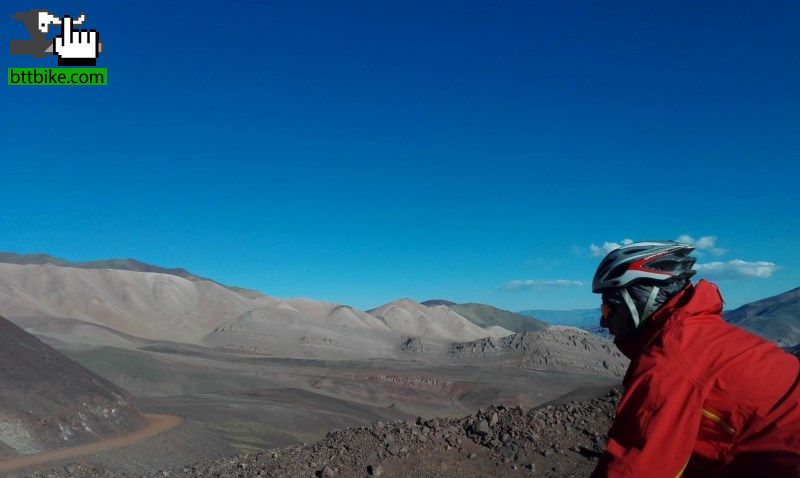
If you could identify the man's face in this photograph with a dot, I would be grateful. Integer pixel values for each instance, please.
(616, 317)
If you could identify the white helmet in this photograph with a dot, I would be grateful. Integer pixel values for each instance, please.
(644, 274)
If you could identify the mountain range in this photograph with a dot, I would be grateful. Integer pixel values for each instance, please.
(113, 301)
(125, 299)
(775, 318)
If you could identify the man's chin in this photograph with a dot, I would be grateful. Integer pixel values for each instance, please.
(627, 344)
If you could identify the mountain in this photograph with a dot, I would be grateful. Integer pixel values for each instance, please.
(410, 318)
(115, 264)
(487, 316)
(580, 318)
(775, 318)
(433, 302)
(151, 305)
(303, 328)
(129, 302)
(48, 402)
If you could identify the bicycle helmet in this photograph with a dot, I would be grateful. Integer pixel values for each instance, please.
(644, 273)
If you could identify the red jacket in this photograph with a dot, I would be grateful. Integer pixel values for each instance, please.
(704, 398)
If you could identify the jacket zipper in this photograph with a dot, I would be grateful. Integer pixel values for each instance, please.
(716, 418)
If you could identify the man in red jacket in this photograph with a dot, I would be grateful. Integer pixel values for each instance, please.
(702, 397)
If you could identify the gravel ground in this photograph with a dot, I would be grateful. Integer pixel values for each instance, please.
(552, 441)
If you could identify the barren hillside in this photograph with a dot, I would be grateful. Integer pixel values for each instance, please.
(48, 402)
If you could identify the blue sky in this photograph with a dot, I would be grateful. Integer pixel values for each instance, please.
(360, 152)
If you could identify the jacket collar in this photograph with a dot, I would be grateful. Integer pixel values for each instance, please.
(701, 299)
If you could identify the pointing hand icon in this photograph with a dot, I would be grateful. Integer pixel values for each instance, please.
(76, 47)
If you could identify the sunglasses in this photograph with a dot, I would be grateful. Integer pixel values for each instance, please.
(605, 311)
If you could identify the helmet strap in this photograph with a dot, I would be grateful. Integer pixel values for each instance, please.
(631, 306)
(648, 308)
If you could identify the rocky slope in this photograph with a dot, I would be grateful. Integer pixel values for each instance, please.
(557, 347)
(775, 318)
(552, 441)
(49, 402)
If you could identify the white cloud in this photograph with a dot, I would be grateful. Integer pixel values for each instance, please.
(522, 285)
(737, 269)
(704, 243)
(598, 251)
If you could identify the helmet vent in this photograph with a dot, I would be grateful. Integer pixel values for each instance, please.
(633, 250)
(617, 271)
(667, 265)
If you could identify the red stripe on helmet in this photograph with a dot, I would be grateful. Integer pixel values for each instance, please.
(640, 264)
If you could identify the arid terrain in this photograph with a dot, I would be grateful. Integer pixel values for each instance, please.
(558, 440)
(294, 387)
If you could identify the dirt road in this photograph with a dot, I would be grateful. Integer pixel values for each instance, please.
(157, 424)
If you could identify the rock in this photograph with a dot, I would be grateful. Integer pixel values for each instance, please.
(471, 455)
(482, 427)
(327, 472)
(393, 449)
(493, 420)
(375, 470)
(71, 468)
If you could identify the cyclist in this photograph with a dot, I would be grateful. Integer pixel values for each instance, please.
(702, 397)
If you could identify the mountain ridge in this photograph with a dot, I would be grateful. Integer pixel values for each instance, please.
(776, 318)
(128, 264)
